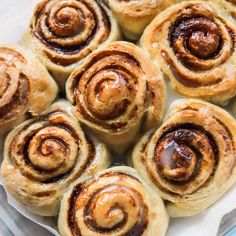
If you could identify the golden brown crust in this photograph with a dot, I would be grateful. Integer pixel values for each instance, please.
(114, 89)
(134, 16)
(116, 202)
(190, 159)
(43, 156)
(25, 86)
(63, 33)
(194, 43)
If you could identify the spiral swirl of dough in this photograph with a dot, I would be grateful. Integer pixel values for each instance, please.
(44, 156)
(114, 90)
(21, 86)
(190, 159)
(194, 42)
(116, 202)
(63, 33)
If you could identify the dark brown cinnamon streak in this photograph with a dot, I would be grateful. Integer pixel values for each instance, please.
(15, 90)
(65, 21)
(103, 193)
(43, 156)
(63, 33)
(115, 202)
(115, 90)
(190, 159)
(23, 78)
(194, 43)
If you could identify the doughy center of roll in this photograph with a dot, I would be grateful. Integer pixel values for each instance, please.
(48, 151)
(200, 36)
(177, 161)
(178, 154)
(109, 96)
(112, 93)
(69, 22)
(203, 44)
(111, 204)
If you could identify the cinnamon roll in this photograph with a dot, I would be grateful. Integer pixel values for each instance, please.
(25, 86)
(43, 156)
(133, 16)
(190, 159)
(116, 91)
(194, 42)
(116, 202)
(63, 33)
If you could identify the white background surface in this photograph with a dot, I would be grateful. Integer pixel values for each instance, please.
(14, 19)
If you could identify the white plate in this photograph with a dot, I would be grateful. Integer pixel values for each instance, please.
(14, 19)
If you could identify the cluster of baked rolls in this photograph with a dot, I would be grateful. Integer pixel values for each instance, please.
(74, 99)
